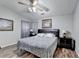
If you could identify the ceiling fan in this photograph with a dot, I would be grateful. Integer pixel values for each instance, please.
(34, 6)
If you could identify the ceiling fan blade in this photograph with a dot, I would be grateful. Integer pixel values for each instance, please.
(40, 9)
(28, 3)
(43, 7)
(22, 3)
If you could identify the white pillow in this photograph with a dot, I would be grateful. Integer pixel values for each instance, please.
(49, 35)
(41, 34)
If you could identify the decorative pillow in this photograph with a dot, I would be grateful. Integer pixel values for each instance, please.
(49, 35)
(41, 34)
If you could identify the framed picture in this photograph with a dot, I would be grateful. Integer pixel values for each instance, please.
(6, 25)
(47, 23)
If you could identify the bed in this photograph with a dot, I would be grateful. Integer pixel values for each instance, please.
(40, 45)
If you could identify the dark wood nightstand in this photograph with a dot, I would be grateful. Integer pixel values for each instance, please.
(32, 34)
(68, 43)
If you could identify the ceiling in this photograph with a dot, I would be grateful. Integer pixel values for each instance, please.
(56, 7)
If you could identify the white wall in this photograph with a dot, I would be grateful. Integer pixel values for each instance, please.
(76, 28)
(64, 22)
(9, 37)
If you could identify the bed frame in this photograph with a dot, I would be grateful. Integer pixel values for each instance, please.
(54, 31)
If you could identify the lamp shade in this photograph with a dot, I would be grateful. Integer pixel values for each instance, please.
(31, 30)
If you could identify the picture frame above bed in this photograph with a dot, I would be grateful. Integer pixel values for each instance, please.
(6, 25)
(47, 23)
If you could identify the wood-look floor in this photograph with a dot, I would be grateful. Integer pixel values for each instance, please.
(65, 53)
(11, 52)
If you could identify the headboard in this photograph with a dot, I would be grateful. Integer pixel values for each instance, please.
(54, 31)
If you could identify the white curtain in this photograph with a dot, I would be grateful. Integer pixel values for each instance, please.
(25, 29)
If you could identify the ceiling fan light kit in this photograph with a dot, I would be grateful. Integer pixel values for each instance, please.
(34, 6)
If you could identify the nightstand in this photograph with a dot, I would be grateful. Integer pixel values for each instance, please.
(32, 34)
(68, 43)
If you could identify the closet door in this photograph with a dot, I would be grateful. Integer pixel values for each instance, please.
(25, 29)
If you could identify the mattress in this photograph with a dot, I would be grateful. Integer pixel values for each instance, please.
(43, 47)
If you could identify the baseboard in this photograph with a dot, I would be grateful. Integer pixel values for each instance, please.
(8, 45)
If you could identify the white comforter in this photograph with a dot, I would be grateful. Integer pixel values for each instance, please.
(41, 46)
(37, 41)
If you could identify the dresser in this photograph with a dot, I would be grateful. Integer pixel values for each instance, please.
(68, 43)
